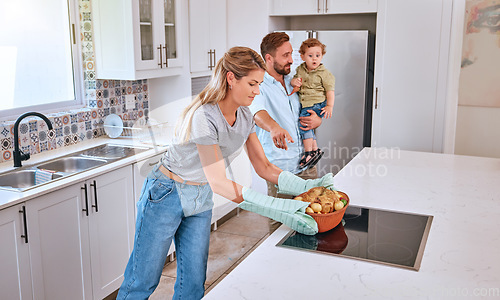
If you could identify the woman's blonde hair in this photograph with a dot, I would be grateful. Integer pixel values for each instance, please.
(238, 60)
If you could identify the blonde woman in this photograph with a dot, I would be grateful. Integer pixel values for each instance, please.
(176, 199)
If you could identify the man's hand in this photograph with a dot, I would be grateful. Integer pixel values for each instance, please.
(310, 122)
(280, 137)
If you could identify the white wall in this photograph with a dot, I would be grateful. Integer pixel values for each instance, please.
(478, 131)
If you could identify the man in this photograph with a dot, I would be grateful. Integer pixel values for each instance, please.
(277, 114)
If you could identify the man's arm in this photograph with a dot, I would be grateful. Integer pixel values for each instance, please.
(279, 135)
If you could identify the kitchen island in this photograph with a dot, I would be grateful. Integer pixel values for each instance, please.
(460, 260)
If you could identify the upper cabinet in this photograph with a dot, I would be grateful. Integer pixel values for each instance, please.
(137, 39)
(313, 7)
(207, 35)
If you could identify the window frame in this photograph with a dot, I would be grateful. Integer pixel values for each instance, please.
(79, 88)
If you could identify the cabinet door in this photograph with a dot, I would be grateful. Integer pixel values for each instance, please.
(111, 228)
(58, 235)
(410, 74)
(218, 29)
(350, 6)
(199, 35)
(207, 20)
(14, 255)
(146, 19)
(170, 13)
(296, 7)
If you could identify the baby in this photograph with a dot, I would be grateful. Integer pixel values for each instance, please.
(315, 85)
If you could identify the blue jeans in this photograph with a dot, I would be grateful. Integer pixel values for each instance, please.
(309, 134)
(160, 218)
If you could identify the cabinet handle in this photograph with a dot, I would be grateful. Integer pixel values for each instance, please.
(166, 55)
(376, 98)
(210, 58)
(95, 196)
(25, 235)
(153, 164)
(326, 6)
(318, 6)
(86, 209)
(215, 59)
(161, 57)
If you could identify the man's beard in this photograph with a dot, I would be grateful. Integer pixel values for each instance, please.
(281, 69)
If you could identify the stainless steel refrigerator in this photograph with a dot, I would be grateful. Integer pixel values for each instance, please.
(349, 57)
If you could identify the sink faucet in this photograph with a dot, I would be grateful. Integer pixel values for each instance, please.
(18, 154)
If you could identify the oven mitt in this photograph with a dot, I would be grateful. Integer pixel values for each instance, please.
(291, 184)
(287, 211)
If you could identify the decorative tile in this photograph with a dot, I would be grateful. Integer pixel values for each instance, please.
(6, 155)
(42, 136)
(74, 128)
(73, 118)
(44, 146)
(4, 132)
(33, 126)
(7, 143)
(65, 119)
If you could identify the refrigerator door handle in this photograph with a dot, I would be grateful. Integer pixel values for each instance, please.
(376, 98)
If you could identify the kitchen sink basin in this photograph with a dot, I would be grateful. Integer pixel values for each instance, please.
(21, 179)
(24, 178)
(72, 164)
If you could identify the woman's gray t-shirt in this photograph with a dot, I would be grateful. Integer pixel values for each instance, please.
(209, 127)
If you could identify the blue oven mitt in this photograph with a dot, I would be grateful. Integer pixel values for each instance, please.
(287, 211)
(291, 184)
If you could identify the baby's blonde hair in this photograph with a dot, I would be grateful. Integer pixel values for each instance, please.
(312, 42)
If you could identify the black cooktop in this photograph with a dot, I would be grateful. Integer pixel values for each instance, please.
(387, 237)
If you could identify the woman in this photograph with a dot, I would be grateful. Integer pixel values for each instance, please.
(176, 199)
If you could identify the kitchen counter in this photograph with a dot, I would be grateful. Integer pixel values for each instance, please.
(461, 254)
(10, 198)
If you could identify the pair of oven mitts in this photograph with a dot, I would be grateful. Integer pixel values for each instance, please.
(287, 211)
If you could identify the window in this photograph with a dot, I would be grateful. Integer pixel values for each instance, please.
(39, 56)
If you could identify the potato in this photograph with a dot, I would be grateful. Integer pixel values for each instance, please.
(316, 207)
(309, 210)
(338, 205)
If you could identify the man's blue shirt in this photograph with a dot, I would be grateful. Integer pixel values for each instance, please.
(284, 110)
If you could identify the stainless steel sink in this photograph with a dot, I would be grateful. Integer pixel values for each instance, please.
(72, 164)
(24, 178)
(21, 179)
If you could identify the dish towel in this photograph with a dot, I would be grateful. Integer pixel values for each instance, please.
(291, 184)
(42, 176)
(287, 211)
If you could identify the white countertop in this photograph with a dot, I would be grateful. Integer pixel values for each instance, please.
(460, 260)
(9, 198)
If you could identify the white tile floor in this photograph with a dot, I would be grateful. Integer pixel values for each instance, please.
(229, 245)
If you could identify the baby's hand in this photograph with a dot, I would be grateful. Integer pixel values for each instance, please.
(296, 82)
(326, 111)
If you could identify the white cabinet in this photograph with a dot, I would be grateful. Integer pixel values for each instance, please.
(312, 7)
(111, 229)
(14, 254)
(137, 39)
(81, 236)
(59, 247)
(410, 74)
(207, 34)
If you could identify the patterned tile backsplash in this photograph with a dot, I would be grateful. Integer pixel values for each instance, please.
(103, 97)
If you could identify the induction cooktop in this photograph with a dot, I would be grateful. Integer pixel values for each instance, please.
(375, 235)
